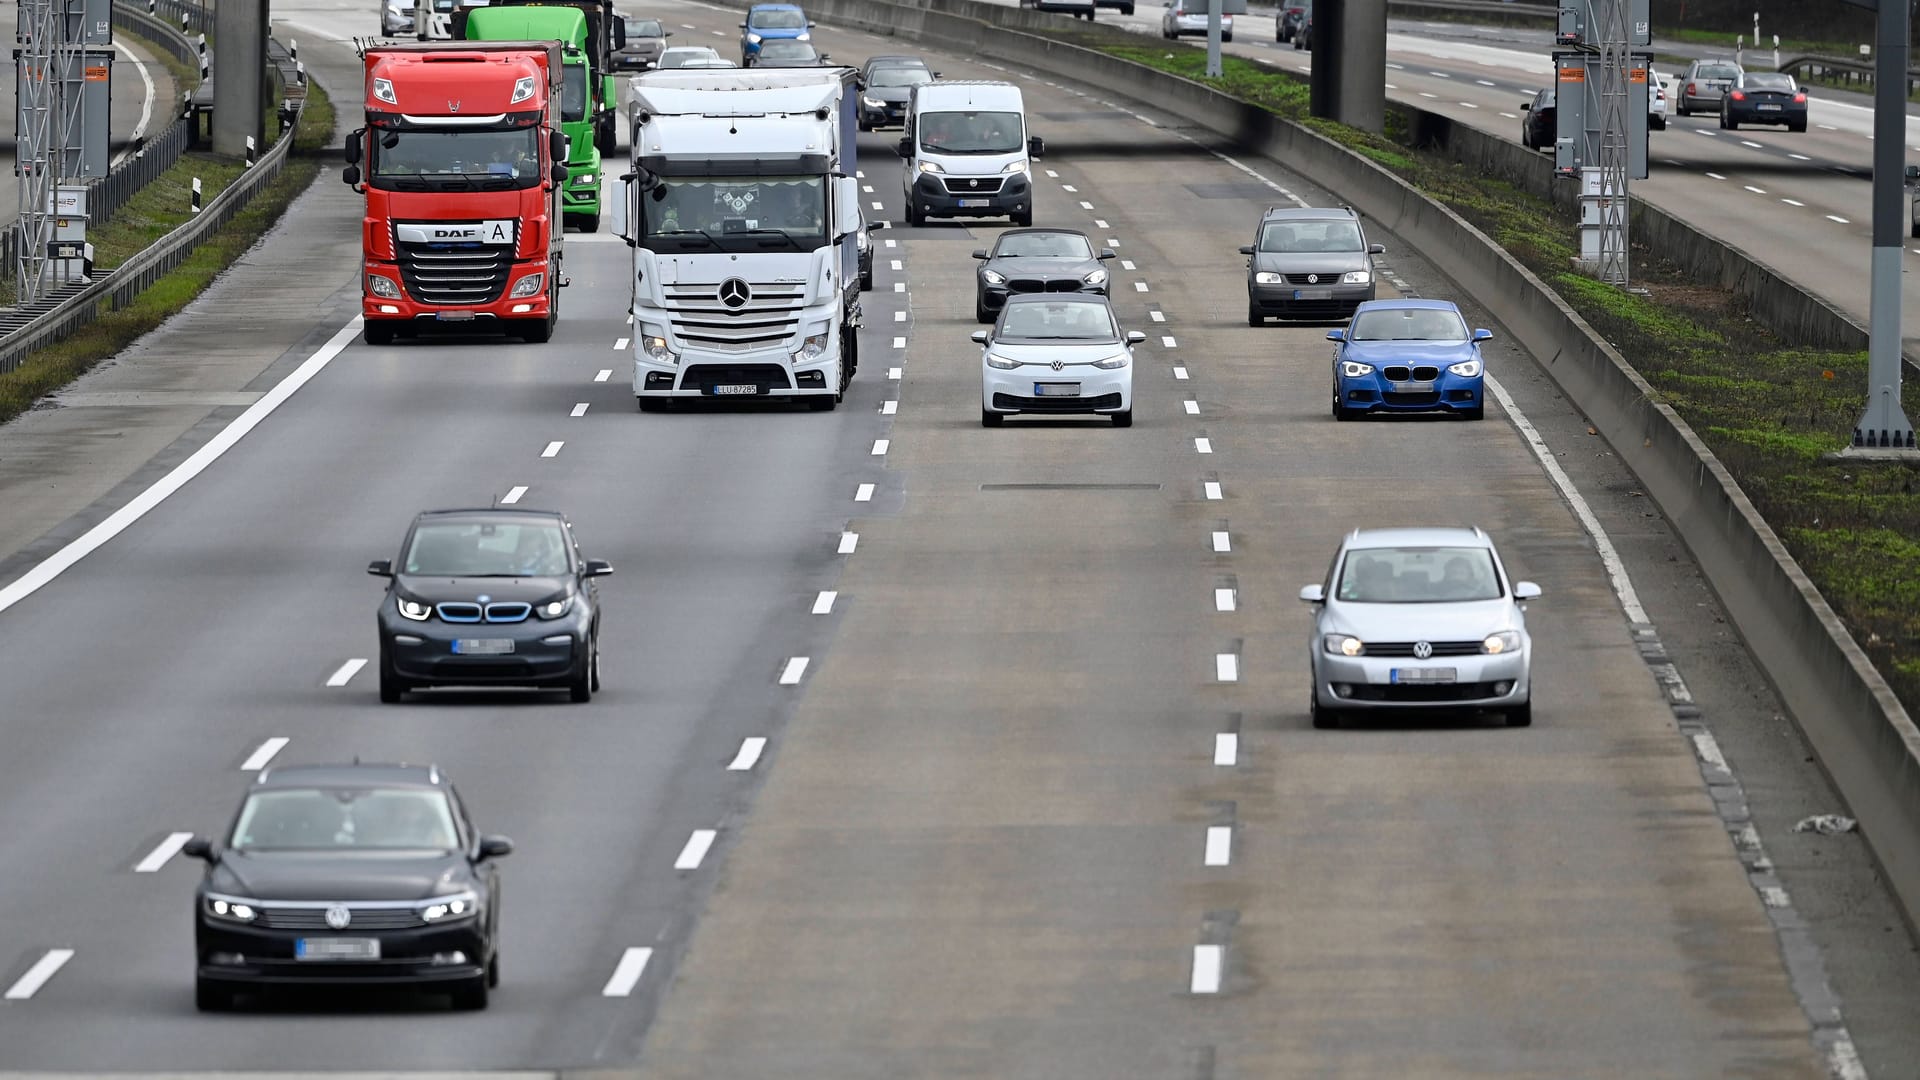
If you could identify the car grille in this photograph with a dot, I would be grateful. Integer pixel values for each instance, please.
(1326, 277)
(1463, 691)
(364, 918)
(1028, 285)
(1440, 648)
(1057, 405)
(1402, 373)
(1394, 397)
(462, 612)
(769, 316)
(972, 185)
(456, 273)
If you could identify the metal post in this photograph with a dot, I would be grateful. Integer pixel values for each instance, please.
(1213, 38)
(240, 58)
(42, 144)
(1615, 156)
(1885, 423)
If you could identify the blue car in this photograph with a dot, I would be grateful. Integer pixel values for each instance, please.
(771, 22)
(1408, 356)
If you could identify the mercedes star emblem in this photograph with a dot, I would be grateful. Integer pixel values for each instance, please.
(1422, 650)
(338, 916)
(1313, 279)
(735, 293)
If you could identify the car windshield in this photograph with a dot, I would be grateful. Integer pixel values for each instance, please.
(744, 213)
(970, 132)
(1043, 246)
(1768, 80)
(1408, 324)
(1716, 71)
(900, 76)
(573, 92)
(346, 818)
(777, 20)
(1418, 575)
(419, 159)
(1078, 320)
(644, 28)
(1311, 236)
(486, 549)
(786, 50)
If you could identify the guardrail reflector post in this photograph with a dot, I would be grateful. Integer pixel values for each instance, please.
(196, 194)
(300, 73)
(293, 48)
(86, 260)
(249, 151)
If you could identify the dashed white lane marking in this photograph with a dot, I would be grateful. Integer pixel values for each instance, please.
(1085, 205)
(1793, 202)
(889, 408)
(1467, 105)
(553, 449)
(37, 975)
(1224, 600)
(878, 205)
(891, 242)
(1157, 316)
(893, 373)
(1755, 190)
(1203, 446)
(1192, 407)
(719, 33)
(1226, 748)
(823, 604)
(863, 493)
(899, 286)
(1206, 969)
(899, 343)
(1066, 187)
(860, 174)
(1799, 157)
(619, 344)
(1424, 94)
(899, 316)
(1126, 264)
(579, 409)
(1708, 134)
(868, 188)
(1715, 176)
(1755, 145)
(1226, 667)
(1099, 224)
(848, 541)
(345, 672)
(159, 856)
(1396, 67)
(1775, 897)
(1838, 218)
(1113, 243)
(1439, 74)
(1139, 286)
(513, 494)
(688, 26)
(1219, 845)
(264, 753)
(895, 264)
(1213, 491)
(1826, 127)
(1167, 342)
(1511, 116)
(1709, 750)
(603, 375)
(796, 667)
(692, 855)
(1390, 86)
(1222, 541)
(1486, 82)
(1053, 175)
(1180, 373)
(750, 749)
(626, 974)
(880, 447)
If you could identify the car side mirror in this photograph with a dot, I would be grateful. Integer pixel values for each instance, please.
(1376, 249)
(493, 847)
(872, 225)
(1526, 590)
(380, 568)
(980, 253)
(1246, 249)
(350, 176)
(743, 26)
(668, 34)
(1526, 106)
(1135, 337)
(1482, 335)
(936, 74)
(1313, 594)
(597, 568)
(619, 35)
(1336, 335)
(824, 58)
(199, 847)
(979, 337)
(1913, 173)
(1108, 253)
(1036, 147)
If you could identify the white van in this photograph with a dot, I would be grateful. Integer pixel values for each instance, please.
(968, 152)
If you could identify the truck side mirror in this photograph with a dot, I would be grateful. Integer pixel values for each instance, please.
(619, 34)
(1036, 147)
(351, 151)
(559, 173)
(557, 141)
(351, 176)
(622, 200)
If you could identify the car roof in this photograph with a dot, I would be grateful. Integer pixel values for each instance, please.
(1421, 536)
(900, 60)
(1058, 298)
(494, 513)
(352, 774)
(1308, 213)
(1407, 303)
(773, 7)
(1048, 230)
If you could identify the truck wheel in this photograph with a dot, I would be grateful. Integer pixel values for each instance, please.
(1024, 221)
(589, 222)
(824, 403)
(536, 331)
(1916, 229)
(649, 404)
(377, 333)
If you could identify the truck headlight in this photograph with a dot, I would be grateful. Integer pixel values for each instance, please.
(1354, 369)
(522, 89)
(812, 348)
(1466, 369)
(1001, 362)
(1356, 277)
(529, 285)
(993, 277)
(1267, 277)
(1098, 277)
(653, 342)
(383, 91)
(584, 178)
(383, 287)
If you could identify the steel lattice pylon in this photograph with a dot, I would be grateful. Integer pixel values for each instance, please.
(42, 27)
(1616, 61)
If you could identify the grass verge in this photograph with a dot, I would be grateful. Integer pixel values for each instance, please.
(1769, 408)
(55, 366)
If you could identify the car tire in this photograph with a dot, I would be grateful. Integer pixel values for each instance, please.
(980, 312)
(1024, 221)
(989, 418)
(580, 683)
(593, 680)
(378, 332)
(1478, 412)
(471, 995)
(1226, 38)
(1915, 231)
(1123, 418)
(536, 331)
(1254, 318)
(866, 281)
(493, 972)
(824, 403)
(211, 996)
(651, 404)
(1521, 716)
(1800, 127)
(1324, 719)
(914, 217)
(392, 686)
(1127, 10)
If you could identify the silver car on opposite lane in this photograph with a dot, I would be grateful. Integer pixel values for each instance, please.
(1419, 619)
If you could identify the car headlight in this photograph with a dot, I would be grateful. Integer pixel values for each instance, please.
(653, 342)
(1466, 369)
(931, 166)
(1505, 641)
(529, 285)
(1118, 360)
(450, 907)
(1015, 166)
(993, 277)
(382, 286)
(873, 102)
(1098, 277)
(413, 609)
(1001, 362)
(553, 609)
(1356, 277)
(1267, 277)
(753, 39)
(235, 910)
(584, 178)
(1343, 645)
(804, 37)
(812, 348)
(1353, 369)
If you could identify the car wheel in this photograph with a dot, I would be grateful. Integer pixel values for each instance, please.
(1127, 10)
(536, 331)
(1323, 718)
(866, 281)
(471, 996)
(989, 418)
(864, 126)
(824, 403)
(1521, 717)
(210, 996)
(1226, 37)
(1478, 412)
(1659, 123)
(980, 312)
(1254, 318)
(580, 684)
(594, 678)
(1024, 221)
(391, 685)
(377, 332)
(651, 404)
(1123, 418)
(914, 217)
(590, 223)
(493, 972)
(1802, 126)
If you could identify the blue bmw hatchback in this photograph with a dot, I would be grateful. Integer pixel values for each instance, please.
(1408, 356)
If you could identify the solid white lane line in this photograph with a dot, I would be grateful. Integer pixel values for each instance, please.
(1213, 490)
(1157, 316)
(619, 344)
(1139, 286)
(1221, 541)
(1715, 176)
(893, 373)
(1206, 969)
(1203, 446)
(264, 753)
(848, 541)
(1126, 264)
(796, 667)
(37, 975)
(1179, 373)
(1838, 218)
(158, 857)
(864, 493)
(139, 131)
(823, 604)
(1226, 748)
(696, 850)
(1167, 342)
(603, 375)
(1793, 202)
(1753, 189)
(345, 673)
(1219, 845)
(1192, 407)
(880, 447)
(553, 449)
(626, 974)
(888, 408)
(579, 409)
(1226, 667)
(513, 495)
(1709, 750)
(1223, 600)
(750, 749)
(1099, 224)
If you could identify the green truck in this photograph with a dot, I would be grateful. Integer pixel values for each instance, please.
(579, 114)
(606, 35)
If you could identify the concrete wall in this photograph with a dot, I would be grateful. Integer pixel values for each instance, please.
(1863, 736)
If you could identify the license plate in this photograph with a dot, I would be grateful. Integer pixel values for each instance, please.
(1056, 389)
(966, 203)
(1769, 108)
(454, 316)
(1412, 387)
(1422, 675)
(336, 948)
(1313, 294)
(486, 646)
(736, 388)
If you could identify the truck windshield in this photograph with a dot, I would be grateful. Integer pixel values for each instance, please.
(465, 159)
(970, 132)
(745, 213)
(573, 92)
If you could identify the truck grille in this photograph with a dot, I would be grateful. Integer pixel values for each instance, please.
(461, 274)
(726, 318)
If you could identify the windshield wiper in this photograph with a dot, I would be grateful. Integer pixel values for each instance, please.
(681, 236)
(781, 233)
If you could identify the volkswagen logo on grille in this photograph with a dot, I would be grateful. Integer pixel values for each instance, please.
(1422, 649)
(338, 917)
(1313, 279)
(735, 293)
(1057, 365)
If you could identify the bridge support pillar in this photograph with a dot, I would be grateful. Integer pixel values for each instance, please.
(1349, 61)
(239, 76)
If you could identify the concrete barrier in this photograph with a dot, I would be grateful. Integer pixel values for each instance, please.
(1863, 736)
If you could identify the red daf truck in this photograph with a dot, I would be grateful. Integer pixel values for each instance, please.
(464, 163)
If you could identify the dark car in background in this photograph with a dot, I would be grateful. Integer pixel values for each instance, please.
(1537, 127)
(645, 39)
(1764, 97)
(1303, 37)
(1037, 261)
(348, 875)
(789, 54)
(885, 86)
(1287, 24)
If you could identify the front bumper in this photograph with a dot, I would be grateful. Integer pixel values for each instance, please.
(1370, 682)
(545, 652)
(263, 957)
(719, 377)
(580, 199)
(892, 114)
(1447, 392)
(1018, 390)
(994, 297)
(931, 197)
(1312, 301)
(405, 309)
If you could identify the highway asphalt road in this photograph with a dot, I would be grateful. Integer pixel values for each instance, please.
(1000, 732)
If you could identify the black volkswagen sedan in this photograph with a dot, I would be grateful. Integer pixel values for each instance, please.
(1037, 261)
(348, 875)
(490, 597)
(1763, 97)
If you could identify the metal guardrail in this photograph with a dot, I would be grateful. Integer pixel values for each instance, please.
(1825, 67)
(1487, 7)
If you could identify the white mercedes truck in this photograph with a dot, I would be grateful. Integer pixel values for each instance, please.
(743, 210)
